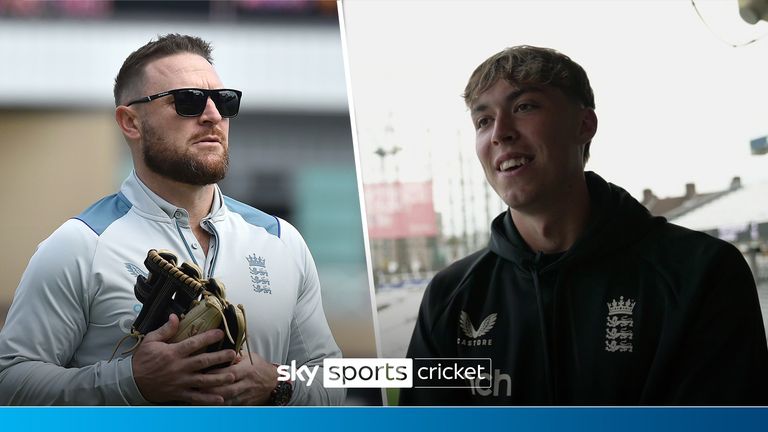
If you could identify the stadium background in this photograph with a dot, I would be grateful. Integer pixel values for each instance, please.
(682, 124)
(290, 147)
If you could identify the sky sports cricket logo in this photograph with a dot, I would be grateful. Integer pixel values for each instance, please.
(394, 372)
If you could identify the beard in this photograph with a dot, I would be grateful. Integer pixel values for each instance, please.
(182, 166)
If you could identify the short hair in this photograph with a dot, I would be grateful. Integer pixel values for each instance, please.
(532, 65)
(131, 74)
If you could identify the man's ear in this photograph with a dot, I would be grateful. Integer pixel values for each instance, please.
(588, 126)
(128, 121)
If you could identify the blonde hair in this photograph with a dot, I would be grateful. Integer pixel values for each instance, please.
(532, 65)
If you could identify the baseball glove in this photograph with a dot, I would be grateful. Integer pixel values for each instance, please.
(199, 303)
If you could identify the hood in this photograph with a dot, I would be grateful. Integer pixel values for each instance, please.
(616, 219)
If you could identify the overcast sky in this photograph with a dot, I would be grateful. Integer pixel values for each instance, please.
(675, 103)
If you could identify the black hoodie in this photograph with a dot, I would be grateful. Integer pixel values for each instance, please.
(637, 311)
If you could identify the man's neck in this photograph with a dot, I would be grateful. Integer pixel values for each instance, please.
(196, 200)
(558, 227)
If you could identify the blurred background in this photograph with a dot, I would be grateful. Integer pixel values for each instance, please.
(291, 145)
(681, 97)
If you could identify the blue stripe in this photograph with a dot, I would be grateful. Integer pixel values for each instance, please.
(254, 216)
(184, 240)
(102, 213)
(387, 419)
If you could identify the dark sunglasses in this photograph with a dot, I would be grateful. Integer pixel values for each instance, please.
(190, 102)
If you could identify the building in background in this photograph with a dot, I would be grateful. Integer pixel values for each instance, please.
(738, 215)
(290, 147)
(674, 207)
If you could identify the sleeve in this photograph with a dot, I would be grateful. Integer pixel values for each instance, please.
(724, 359)
(426, 343)
(46, 324)
(311, 339)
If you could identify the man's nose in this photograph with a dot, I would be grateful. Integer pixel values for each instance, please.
(210, 113)
(504, 128)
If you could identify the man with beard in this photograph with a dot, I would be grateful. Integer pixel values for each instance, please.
(75, 301)
(582, 297)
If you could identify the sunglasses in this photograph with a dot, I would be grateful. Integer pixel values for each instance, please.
(190, 102)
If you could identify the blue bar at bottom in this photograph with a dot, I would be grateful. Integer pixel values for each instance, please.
(391, 419)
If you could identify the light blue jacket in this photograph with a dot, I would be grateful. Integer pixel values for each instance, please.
(75, 300)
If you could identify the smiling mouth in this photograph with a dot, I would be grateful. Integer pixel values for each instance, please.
(513, 164)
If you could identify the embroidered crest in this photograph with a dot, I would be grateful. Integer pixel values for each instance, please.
(466, 327)
(259, 275)
(619, 325)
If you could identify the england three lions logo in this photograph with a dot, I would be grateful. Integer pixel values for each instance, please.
(475, 335)
(619, 325)
(257, 268)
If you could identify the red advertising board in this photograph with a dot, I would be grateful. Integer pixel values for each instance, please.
(400, 210)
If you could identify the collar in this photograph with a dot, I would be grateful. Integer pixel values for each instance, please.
(148, 202)
(616, 221)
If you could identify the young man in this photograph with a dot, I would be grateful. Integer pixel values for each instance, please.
(582, 297)
(76, 300)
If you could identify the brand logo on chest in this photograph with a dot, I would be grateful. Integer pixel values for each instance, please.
(474, 337)
(257, 267)
(619, 325)
(135, 270)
